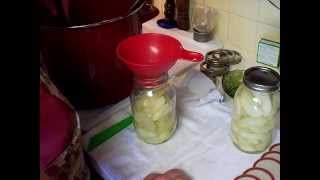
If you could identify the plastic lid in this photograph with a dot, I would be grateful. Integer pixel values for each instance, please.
(261, 79)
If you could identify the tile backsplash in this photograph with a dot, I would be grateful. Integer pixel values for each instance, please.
(241, 24)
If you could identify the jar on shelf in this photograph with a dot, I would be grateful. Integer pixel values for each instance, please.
(153, 105)
(256, 103)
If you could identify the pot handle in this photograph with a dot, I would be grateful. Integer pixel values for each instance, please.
(148, 11)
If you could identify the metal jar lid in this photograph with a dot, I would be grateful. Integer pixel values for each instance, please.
(201, 36)
(262, 79)
(223, 57)
(218, 62)
(214, 70)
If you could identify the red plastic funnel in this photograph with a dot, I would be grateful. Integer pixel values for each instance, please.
(150, 54)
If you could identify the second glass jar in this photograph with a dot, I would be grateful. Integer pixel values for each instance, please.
(153, 104)
(256, 103)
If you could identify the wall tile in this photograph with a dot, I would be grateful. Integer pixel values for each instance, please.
(242, 32)
(267, 32)
(268, 14)
(248, 57)
(241, 24)
(229, 45)
(244, 8)
(218, 4)
(221, 29)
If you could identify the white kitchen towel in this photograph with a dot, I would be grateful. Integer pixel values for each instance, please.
(197, 88)
(201, 145)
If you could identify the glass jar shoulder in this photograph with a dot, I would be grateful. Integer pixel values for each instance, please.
(256, 104)
(151, 93)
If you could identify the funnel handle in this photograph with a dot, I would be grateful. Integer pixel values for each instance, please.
(191, 56)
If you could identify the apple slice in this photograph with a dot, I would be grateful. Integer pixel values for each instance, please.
(270, 165)
(246, 177)
(275, 147)
(272, 154)
(261, 173)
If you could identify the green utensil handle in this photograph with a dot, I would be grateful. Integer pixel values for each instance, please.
(107, 133)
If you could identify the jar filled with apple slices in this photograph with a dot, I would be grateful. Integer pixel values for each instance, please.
(256, 103)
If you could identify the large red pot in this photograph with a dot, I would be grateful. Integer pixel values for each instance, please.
(61, 155)
(81, 59)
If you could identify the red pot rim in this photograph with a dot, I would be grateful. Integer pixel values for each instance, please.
(95, 24)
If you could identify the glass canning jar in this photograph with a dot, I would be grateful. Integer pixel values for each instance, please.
(153, 105)
(256, 103)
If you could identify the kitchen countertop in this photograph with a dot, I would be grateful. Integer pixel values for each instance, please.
(206, 129)
(90, 118)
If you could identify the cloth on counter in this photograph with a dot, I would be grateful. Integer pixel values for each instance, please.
(201, 145)
(197, 88)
